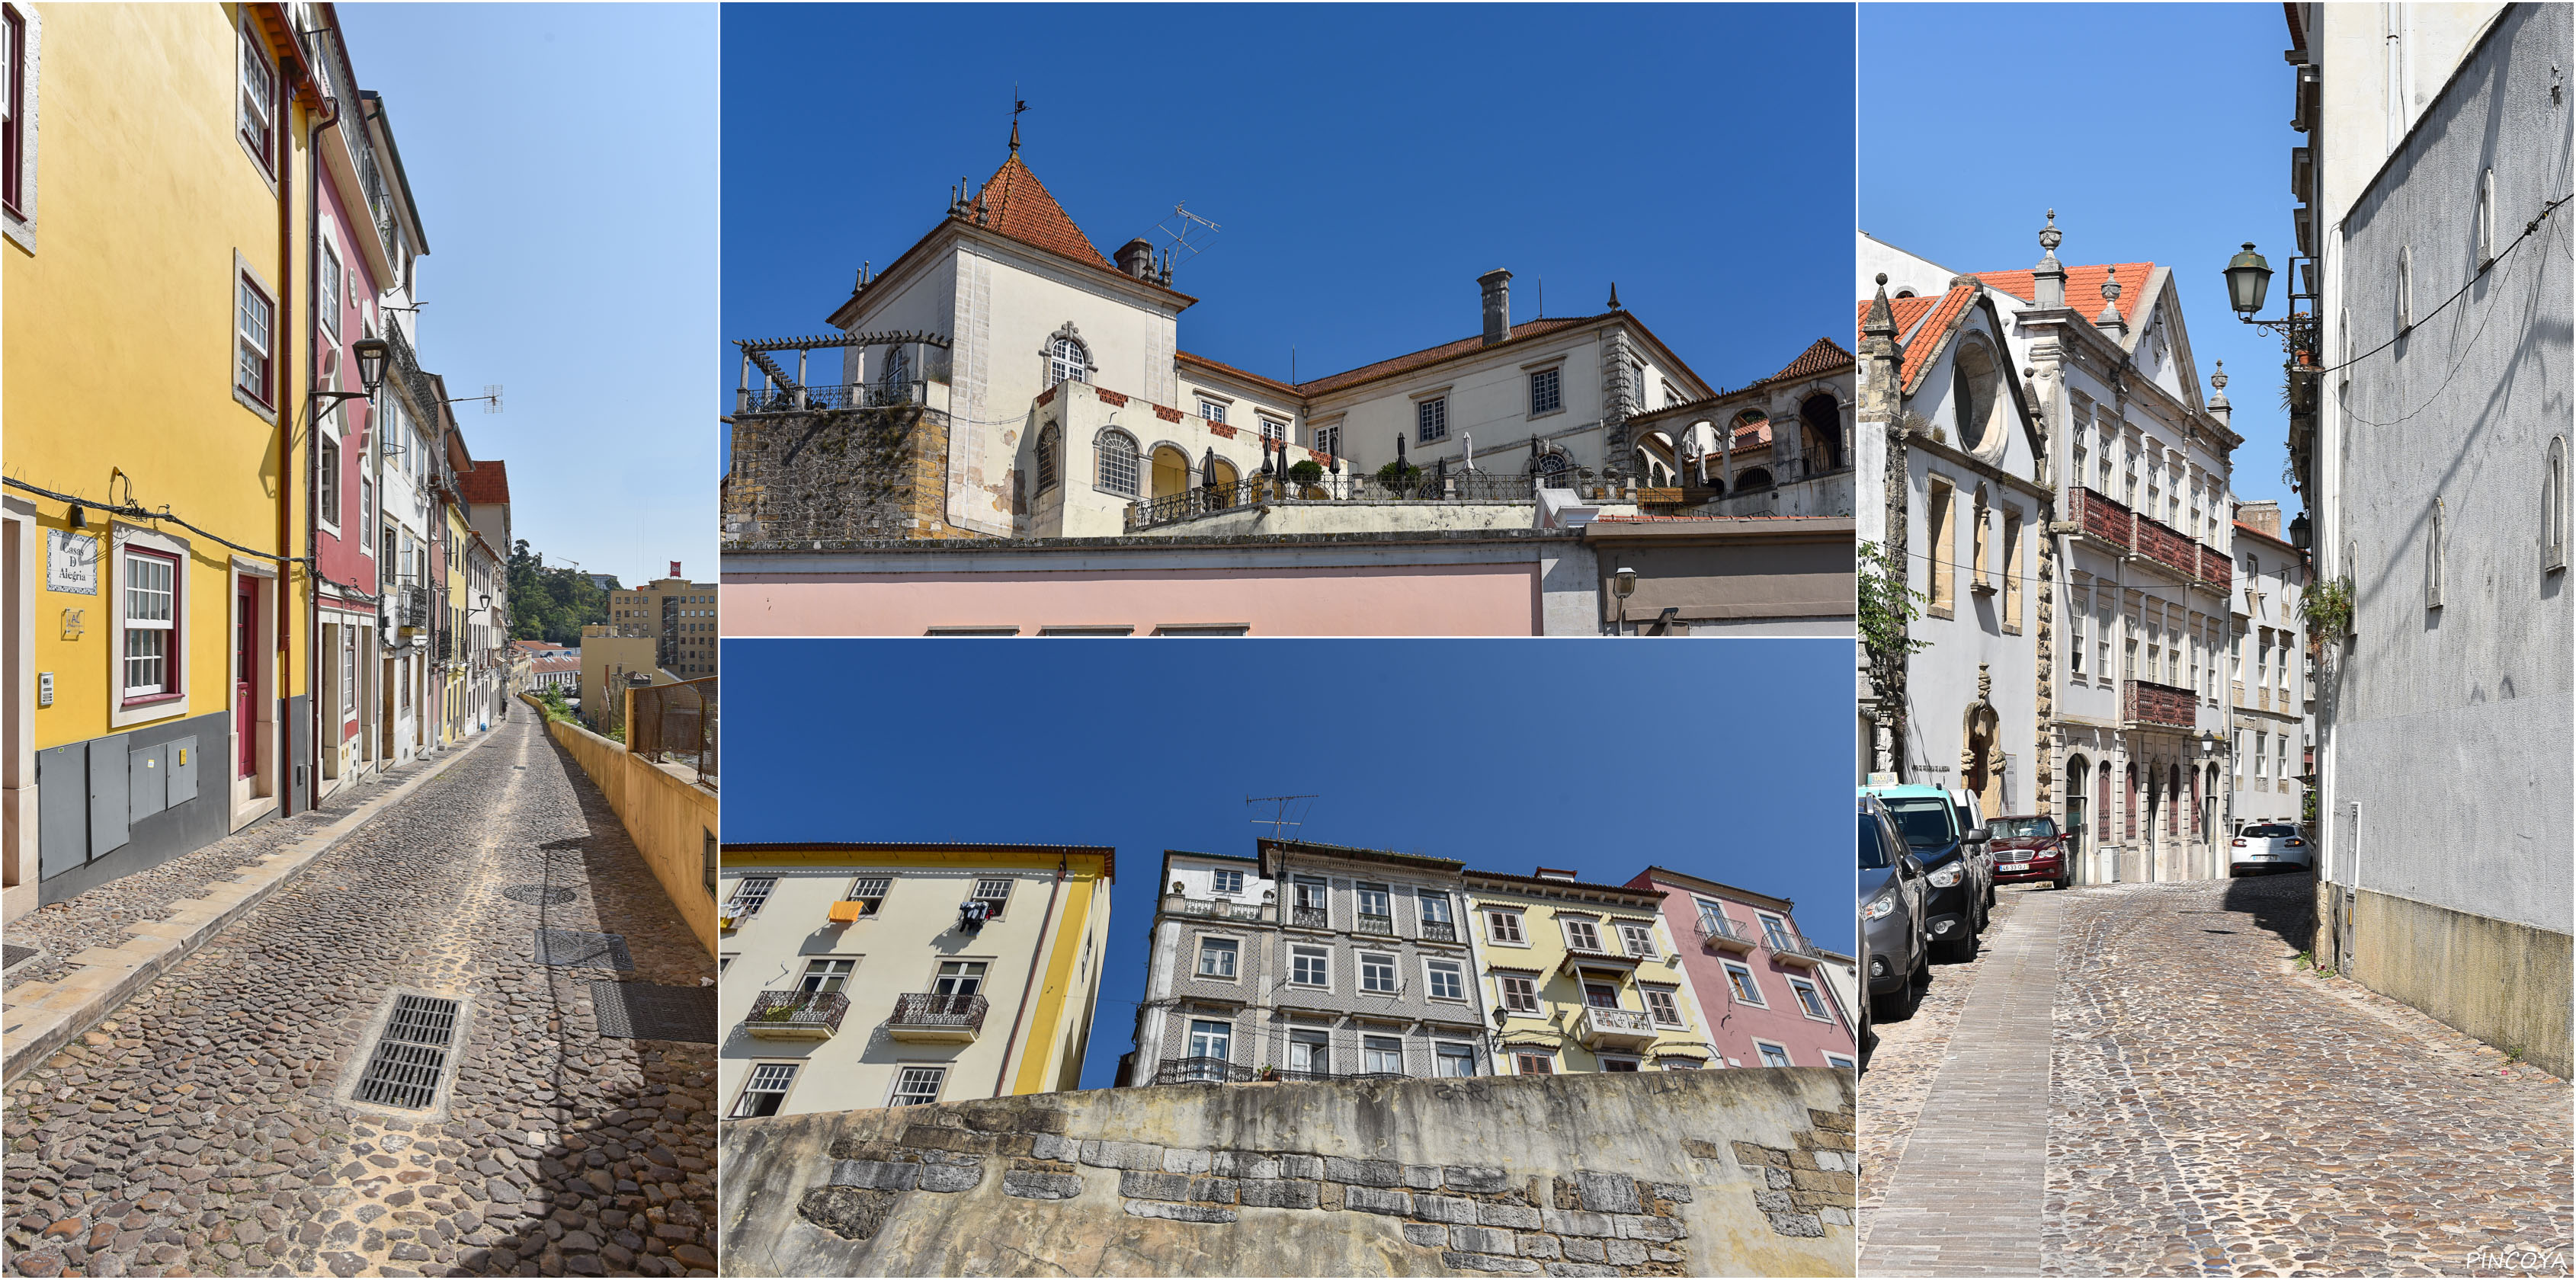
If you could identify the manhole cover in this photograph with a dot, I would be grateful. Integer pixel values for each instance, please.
(13, 955)
(408, 1060)
(574, 949)
(537, 893)
(644, 1011)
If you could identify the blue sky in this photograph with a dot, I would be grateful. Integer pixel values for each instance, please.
(1366, 163)
(2159, 133)
(564, 158)
(1729, 760)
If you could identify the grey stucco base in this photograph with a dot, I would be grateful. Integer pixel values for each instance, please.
(2506, 984)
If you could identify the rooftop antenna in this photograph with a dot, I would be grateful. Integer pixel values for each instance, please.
(1539, 287)
(491, 398)
(1180, 227)
(1281, 821)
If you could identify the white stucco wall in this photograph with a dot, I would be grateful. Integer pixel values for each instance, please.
(2452, 721)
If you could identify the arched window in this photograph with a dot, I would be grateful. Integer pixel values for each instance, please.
(2553, 507)
(1824, 432)
(1117, 451)
(897, 369)
(1050, 457)
(1976, 382)
(1756, 478)
(1068, 361)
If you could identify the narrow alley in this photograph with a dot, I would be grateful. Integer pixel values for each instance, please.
(292, 1098)
(2144, 1080)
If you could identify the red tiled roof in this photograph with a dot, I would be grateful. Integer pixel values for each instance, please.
(1434, 355)
(1916, 317)
(488, 482)
(1230, 371)
(1018, 205)
(2083, 286)
(1824, 357)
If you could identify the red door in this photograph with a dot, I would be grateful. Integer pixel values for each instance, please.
(245, 662)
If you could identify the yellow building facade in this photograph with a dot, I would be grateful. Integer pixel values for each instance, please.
(872, 975)
(157, 615)
(1583, 977)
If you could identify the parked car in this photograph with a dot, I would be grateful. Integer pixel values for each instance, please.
(1981, 859)
(2030, 847)
(1894, 889)
(1949, 852)
(2260, 846)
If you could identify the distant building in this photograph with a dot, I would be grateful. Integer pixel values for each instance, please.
(886, 975)
(2271, 690)
(1308, 962)
(678, 614)
(1583, 977)
(1774, 998)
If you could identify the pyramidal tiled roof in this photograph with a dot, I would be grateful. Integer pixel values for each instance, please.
(2083, 287)
(1824, 356)
(1911, 316)
(1017, 205)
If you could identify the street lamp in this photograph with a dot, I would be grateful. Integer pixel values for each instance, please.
(1623, 583)
(2247, 278)
(371, 362)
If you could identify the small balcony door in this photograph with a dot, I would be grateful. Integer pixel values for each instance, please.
(960, 978)
(1310, 1052)
(246, 676)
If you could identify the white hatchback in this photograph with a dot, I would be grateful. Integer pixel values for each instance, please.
(2262, 845)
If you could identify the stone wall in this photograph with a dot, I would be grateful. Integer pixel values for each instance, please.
(850, 473)
(1663, 1173)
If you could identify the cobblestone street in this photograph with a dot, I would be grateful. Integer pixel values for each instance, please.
(2211, 1108)
(205, 1127)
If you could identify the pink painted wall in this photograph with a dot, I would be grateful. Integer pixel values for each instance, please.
(1734, 1025)
(348, 556)
(1395, 600)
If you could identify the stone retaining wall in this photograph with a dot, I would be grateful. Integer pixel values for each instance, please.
(1648, 1174)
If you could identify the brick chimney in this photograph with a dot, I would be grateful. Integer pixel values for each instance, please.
(1498, 304)
(1136, 258)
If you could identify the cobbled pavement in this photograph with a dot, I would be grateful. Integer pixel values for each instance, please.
(196, 1132)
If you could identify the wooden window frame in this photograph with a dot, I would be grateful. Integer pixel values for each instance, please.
(173, 656)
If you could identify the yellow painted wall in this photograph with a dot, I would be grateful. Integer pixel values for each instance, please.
(1560, 995)
(116, 350)
(669, 819)
(460, 536)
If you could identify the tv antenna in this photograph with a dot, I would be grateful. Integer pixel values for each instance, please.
(1286, 817)
(491, 398)
(1181, 226)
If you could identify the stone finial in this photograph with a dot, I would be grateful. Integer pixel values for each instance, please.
(1614, 295)
(2049, 236)
(2218, 406)
(2110, 317)
(1882, 317)
(2218, 378)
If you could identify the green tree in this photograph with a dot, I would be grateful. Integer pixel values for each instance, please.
(552, 603)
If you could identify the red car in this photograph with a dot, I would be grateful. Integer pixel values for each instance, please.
(2029, 847)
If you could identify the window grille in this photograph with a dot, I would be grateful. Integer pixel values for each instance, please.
(258, 96)
(1663, 1008)
(1118, 462)
(995, 891)
(1639, 938)
(1546, 391)
(1431, 420)
(1519, 994)
(1582, 936)
(1050, 444)
(750, 896)
(254, 317)
(917, 1086)
(151, 612)
(1211, 410)
(1503, 926)
(766, 1090)
(1068, 361)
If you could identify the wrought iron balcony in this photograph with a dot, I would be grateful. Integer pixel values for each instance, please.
(796, 1015)
(848, 395)
(1439, 931)
(929, 1016)
(2145, 702)
(1311, 918)
(1200, 1071)
(1789, 948)
(1366, 923)
(1201, 499)
(1614, 1029)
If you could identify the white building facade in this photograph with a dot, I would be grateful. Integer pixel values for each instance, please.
(2434, 450)
(2141, 580)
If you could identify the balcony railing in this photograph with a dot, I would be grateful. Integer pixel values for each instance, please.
(847, 395)
(1202, 499)
(2146, 702)
(1793, 949)
(925, 1015)
(1311, 918)
(2102, 517)
(1439, 931)
(1219, 909)
(796, 1015)
(1724, 935)
(1615, 1027)
(1375, 924)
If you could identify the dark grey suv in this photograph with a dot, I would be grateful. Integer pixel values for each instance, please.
(1894, 896)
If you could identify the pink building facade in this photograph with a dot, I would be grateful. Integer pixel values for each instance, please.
(1763, 986)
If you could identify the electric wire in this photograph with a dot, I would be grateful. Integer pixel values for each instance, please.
(2529, 229)
(139, 512)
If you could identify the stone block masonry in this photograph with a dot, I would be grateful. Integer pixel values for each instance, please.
(1651, 1174)
(842, 474)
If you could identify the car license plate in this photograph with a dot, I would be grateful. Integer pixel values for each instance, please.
(2016, 866)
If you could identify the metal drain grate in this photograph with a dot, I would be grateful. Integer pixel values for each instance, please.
(413, 1052)
(13, 954)
(644, 1011)
(537, 893)
(574, 949)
